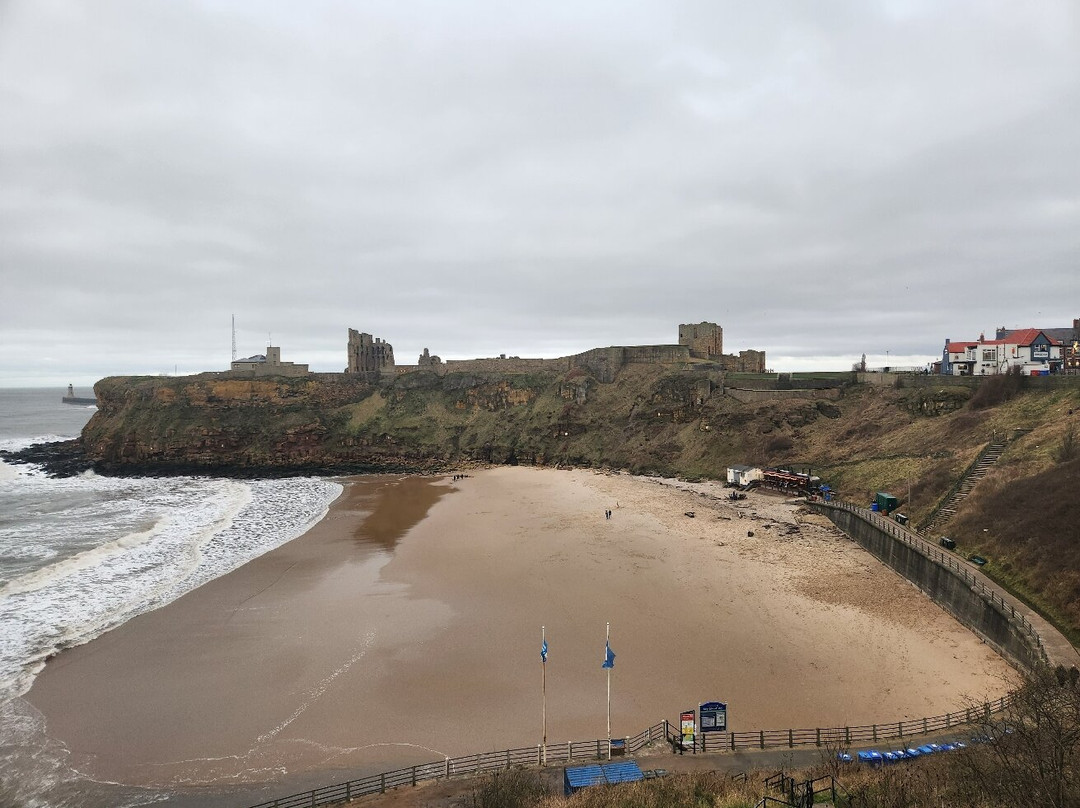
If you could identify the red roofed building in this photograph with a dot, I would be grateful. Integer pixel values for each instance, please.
(1028, 349)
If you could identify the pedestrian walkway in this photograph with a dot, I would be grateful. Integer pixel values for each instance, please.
(1059, 651)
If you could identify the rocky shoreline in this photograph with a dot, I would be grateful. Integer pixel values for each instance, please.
(68, 459)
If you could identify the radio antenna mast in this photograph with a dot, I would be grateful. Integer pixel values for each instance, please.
(234, 338)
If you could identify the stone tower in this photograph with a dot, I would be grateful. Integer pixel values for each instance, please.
(705, 340)
(369, 354)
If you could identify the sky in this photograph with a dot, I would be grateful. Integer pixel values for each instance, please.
(479, 178)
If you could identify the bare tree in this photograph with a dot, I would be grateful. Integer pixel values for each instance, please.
(1031, 757)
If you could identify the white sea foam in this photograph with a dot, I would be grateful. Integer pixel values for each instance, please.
(36, 770)
(123, 546)
(313, 695)
(52, 574)
(16, 444)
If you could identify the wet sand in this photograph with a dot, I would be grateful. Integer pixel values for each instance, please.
(382, 638)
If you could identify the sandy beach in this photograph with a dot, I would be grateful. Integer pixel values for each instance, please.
(406, 626)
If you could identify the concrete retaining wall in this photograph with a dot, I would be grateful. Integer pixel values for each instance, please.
(1055, 382)
(996, 622)
(754, 396)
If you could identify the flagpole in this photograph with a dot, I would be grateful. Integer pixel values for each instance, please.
(543, 644)
(607, 644)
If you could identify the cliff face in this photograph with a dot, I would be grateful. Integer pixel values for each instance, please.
(649, 419)
(643, 418)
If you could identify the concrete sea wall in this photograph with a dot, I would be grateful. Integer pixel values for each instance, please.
(945, 579)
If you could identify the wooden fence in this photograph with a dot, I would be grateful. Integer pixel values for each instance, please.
(469, 764)
(663, 732)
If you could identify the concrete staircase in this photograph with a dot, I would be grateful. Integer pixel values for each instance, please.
(975, 472)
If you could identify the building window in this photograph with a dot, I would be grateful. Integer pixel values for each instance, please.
(989, 355)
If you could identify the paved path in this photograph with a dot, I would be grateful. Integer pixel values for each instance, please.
(1059, 651)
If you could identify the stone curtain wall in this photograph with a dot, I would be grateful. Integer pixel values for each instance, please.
(603, 364)
(657, 354)
(509, 365)
(746, 362)
(757, 396)
(262, 369)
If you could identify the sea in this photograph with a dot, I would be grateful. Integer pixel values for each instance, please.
(81, 555)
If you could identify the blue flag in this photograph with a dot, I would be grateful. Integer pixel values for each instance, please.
(543, 651)
(609, 656)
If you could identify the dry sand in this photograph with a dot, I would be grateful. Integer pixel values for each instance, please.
(381, 638)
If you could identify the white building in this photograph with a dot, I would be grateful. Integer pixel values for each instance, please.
(1030, 350)
(744, 475)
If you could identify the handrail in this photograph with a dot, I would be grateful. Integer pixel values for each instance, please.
(848, 736)
(994, 442)
(597, 749)
(946, 560)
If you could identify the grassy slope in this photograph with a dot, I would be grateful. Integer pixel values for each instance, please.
(1025, 515)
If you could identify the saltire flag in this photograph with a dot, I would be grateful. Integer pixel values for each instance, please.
(543, 651)
(609, 656)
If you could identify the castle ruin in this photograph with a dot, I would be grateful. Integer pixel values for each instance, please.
(699, 343)
(705, 340)
(368, 354)
(429, 361)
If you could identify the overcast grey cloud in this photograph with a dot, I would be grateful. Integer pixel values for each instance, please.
(822, 179)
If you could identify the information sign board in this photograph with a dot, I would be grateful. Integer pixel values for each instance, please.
(713, 716)
(689, 728)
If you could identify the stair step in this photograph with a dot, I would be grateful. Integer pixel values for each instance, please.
(979, 469)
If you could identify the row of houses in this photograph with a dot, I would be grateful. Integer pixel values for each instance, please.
(1034, 351)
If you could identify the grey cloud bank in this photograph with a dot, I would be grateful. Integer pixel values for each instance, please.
(534, 180)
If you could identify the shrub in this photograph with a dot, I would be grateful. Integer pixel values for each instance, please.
(780, 443)
(998, 389)
(1067, 450)
(514, 788)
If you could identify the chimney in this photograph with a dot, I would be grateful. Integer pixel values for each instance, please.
(982, 338)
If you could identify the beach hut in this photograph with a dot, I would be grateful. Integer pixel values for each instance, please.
(743, 475)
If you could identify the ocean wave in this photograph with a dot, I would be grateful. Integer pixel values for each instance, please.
(18, 444)
(144, 542)
(46, 576)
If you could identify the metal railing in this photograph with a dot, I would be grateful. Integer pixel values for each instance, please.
(991, 446)
(469, 764)
(844, 737)
(948, 561)
(598, 749)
